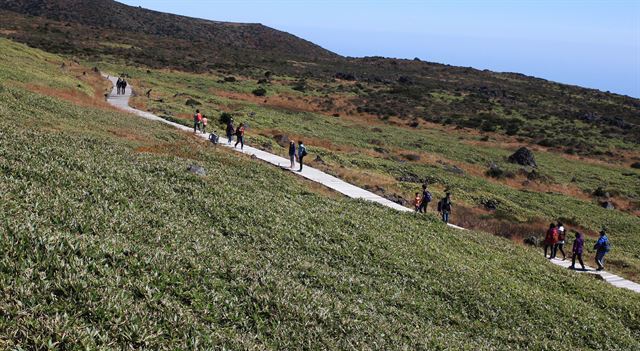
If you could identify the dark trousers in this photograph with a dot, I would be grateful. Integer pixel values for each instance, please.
(552, 251)
(423, 206)
(600, 259)
(559, 247)
(573, 260)
(196, 125)
(300, 158)
(240, 141)
(229, 138)
(445, 216)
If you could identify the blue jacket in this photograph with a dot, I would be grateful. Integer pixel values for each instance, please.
(602, 244)
(301, 150)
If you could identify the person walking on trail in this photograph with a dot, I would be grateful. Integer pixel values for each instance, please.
(292, 153)
(230, 130)
(578, 245)
(240, 136)
(417, 202)
(444, 207)
(124, 86)
(426, 198)
(560, 243)
(118, 85)
(204, 124)
(302, 152)
(550, 240)
(602, 246)
(197, 118)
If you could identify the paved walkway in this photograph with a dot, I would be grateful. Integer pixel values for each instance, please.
(349, 190)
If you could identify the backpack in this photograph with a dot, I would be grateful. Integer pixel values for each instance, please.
(304, 152)
(213, 138)
(427, 197)
(440, 206)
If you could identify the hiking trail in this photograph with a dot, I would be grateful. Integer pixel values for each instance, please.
(310, 173)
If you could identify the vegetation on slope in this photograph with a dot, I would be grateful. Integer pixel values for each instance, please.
(108, 242)
(379, 155)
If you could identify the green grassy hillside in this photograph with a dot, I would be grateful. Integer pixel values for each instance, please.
(109, 243)
(375, 155)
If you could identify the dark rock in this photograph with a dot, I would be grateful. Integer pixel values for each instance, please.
(376, 129)
(282, 140)
(396, 198)
(455, 170)
(600, 192)
(490, 204)
(263, 81)
(380, 150)
(411, 157)
(230, 79)
(376, 142)
(409, 178)
(96, 70)
(635, 165)
(345, 76)
(266, 146)
(608, 205)
(532, 240)
(524, 157)
(192, 102)
(414, 124)
(319, 160)
(195, 169)
(404, 80)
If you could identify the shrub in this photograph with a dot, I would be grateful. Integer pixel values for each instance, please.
(259, 92)
(225, 117)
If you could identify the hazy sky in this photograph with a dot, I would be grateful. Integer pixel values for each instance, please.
(589, 43)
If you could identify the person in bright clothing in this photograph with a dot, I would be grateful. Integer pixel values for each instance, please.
(197, 118)
(417, 201)
(550, 241)
(602, 246)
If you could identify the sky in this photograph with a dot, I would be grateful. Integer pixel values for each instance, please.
(590, 43)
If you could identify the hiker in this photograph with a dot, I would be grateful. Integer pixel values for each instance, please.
(550, 240)
(124, 87)
(292, 153)
(119, 85)
(560, 243)
(197, 118)
(417, 202)
(602, 246)
(204, 124)
(230, 130)
(445, 207)
(240, 136)
(578, 244)
(302, 152)
(426, 198)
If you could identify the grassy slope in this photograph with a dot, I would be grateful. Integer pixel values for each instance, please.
(515, 204)
(107, 247)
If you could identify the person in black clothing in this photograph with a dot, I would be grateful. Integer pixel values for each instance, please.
(119, 86)
(124, 87)
(230, 130)
(426, 198)
(445, 207)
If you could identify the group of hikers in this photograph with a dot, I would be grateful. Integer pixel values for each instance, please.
(555, 240)
(296, 153)
(421, 202)
(121, 86)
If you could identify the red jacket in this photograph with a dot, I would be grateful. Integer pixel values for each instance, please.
(552, 236)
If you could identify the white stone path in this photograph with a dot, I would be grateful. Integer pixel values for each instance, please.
(352, 191)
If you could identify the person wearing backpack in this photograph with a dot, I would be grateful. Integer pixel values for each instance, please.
(302, 152)
(426, 198)
(197, 117)
(560, 243)
(292, 153)
(230, 130)
(550, 240)
(578, 245)
(445, 207)
(240, 136)
(602, 246)
(204, 124)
